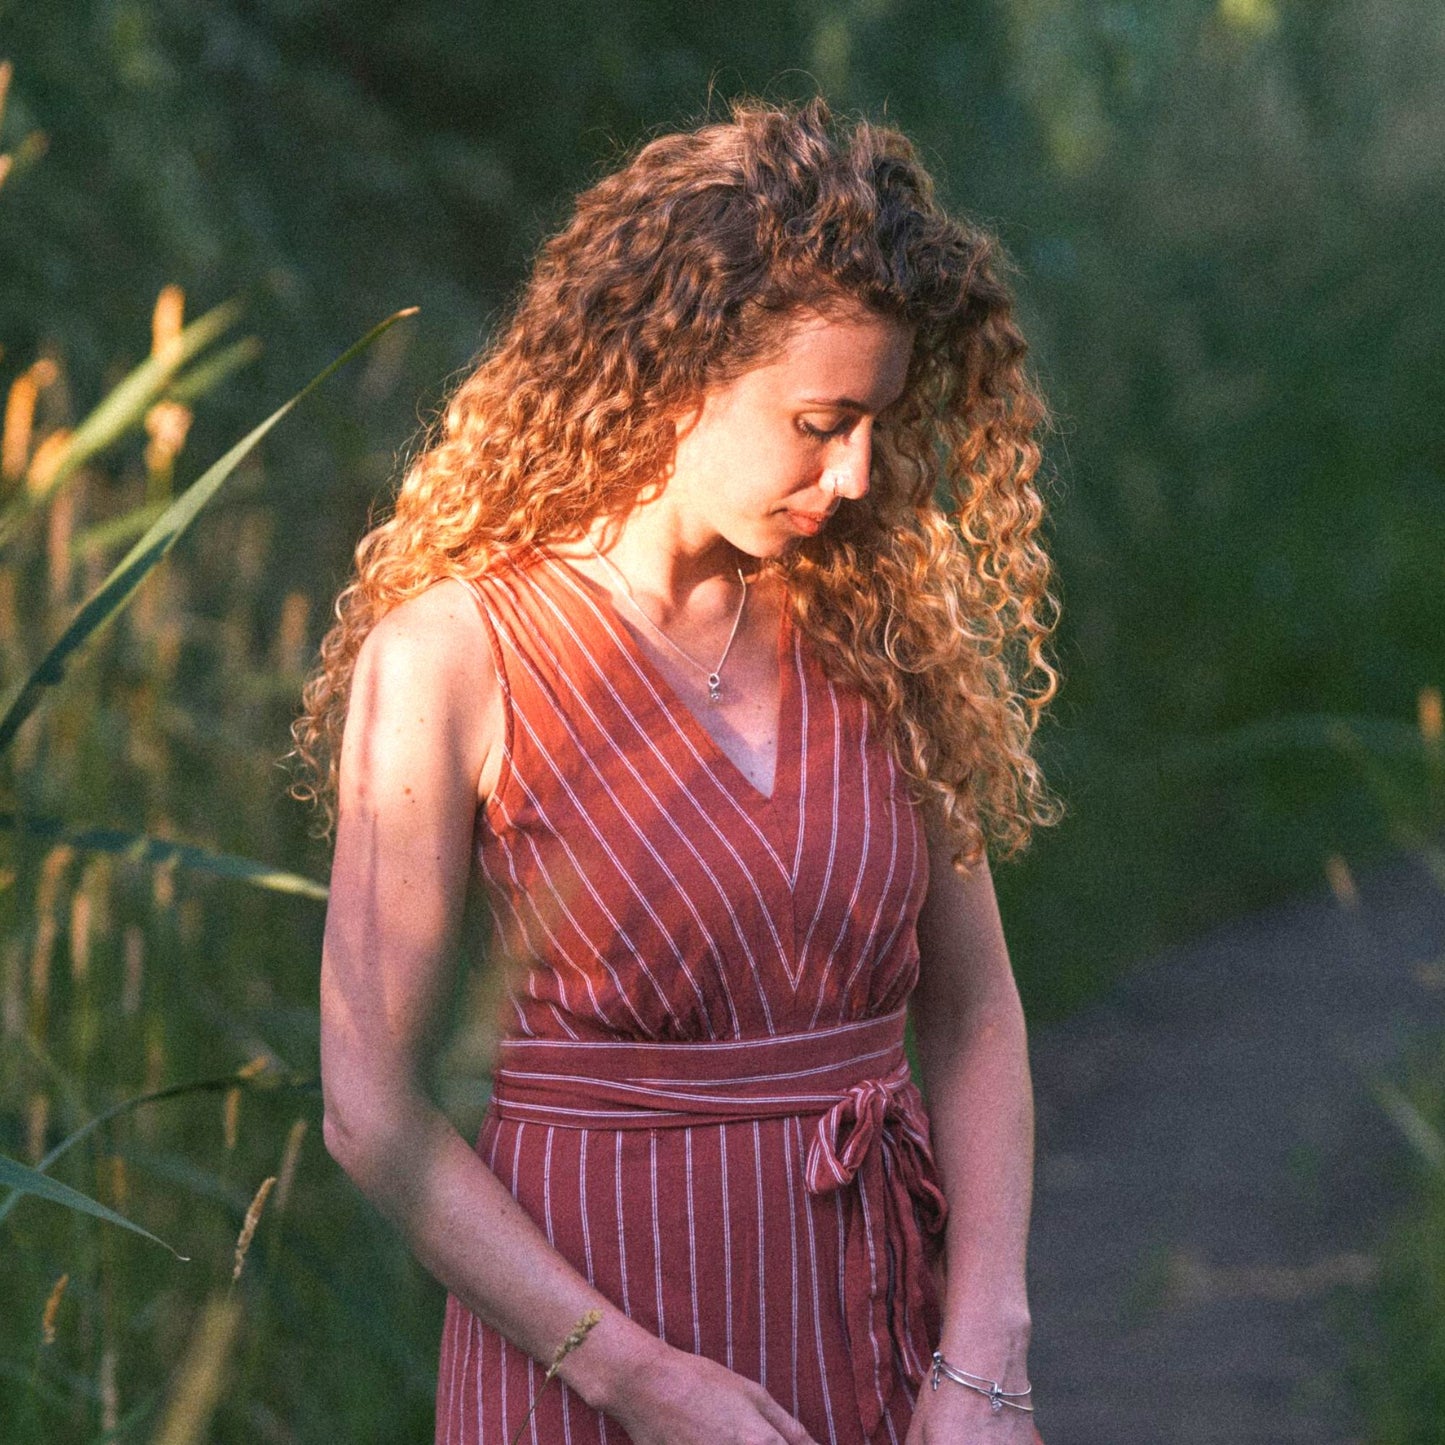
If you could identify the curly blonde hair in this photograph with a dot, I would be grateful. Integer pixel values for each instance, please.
(679, 271)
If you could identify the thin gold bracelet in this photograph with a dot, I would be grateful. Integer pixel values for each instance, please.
(998, 1397)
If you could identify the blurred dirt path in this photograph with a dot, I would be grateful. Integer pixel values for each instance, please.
(1214, 1172)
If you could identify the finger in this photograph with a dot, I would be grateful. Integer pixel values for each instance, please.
(791, 1429)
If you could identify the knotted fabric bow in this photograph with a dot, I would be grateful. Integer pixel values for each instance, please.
(876, 1138)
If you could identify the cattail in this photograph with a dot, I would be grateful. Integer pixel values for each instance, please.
(7, 69)
(290, 1156)
(231, 1118)
(1341, 881)
(167, 320)
(248, 557)
(248, 1229)
(81, 919)
(52, 1309)
(9, 613)
(147, 1120)
(134, 980)
(19, 419)
(163, 886)
(46, 461)
(109, 1393)
(12, 1009)
(1431, 714)
(255, 1068)
(46, 931)
(201, 1377)
(20, 416)
(155, 1059)
(37, 1125)
(290, 656)
(167, 424)
(167, 638)
(59, 530)
(119, 1183)
(52, 876)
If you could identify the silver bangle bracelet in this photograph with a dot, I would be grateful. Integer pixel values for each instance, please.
(998, 1397)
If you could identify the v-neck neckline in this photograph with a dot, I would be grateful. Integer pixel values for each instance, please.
(725, 769)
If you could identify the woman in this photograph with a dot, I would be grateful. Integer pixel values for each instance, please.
(669, 648)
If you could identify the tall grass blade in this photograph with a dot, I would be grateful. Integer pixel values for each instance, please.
(115, 530)
(136, 565)
(206, 375)
(121, 410)
(1422, 1135)
(31, 1181)
(174, 1091)
(201, 1380)
(143, 848)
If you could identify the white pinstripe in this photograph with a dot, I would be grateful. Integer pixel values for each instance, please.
(803, 734)
(582, 1205)
(692, 1247)
(818, 1314)
(722, 1136)
(916, 834)
(621, 1233)
(762, 1259)
(862, 870)
(804, 951)
(656, 1241)
(875, 1290)
(867, 958)
(516, 1160)
(793, 1163)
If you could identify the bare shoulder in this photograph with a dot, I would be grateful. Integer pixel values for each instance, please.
(425, 676)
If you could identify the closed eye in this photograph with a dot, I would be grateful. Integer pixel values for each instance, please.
(824, 434)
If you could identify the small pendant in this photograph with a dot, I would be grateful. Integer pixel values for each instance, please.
(995, 1403)
(714, 687)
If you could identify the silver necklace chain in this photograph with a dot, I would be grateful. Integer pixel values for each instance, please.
(713, 674)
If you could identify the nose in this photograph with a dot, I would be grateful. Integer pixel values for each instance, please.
(853, 464)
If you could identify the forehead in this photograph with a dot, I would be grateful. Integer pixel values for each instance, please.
(857, 356)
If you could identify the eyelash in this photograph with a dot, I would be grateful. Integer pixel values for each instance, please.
(820, 434)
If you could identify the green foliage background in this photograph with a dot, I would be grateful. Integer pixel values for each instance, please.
(1225, 222)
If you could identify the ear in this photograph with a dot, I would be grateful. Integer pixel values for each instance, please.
(686, 418)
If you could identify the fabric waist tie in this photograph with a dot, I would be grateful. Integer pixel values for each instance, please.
(870, 1140)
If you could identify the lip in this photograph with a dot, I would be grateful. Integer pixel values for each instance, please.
(808, 523)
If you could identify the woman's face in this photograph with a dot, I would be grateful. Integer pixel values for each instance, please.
(757, 459)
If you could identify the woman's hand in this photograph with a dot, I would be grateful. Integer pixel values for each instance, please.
(679, 1398)
(953, 1415)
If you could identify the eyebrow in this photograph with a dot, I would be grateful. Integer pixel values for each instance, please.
(837, 403)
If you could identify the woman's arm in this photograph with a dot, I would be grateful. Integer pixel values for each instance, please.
(973, 1056)
(421, 746)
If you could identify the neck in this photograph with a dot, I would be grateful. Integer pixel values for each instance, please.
(652, 548)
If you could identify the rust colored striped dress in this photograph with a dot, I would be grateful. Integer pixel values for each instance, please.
(700, 1094)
